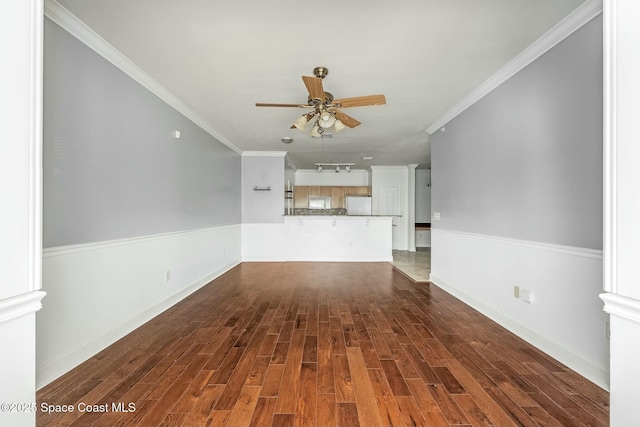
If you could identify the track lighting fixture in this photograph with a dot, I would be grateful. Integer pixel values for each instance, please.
(347, 166)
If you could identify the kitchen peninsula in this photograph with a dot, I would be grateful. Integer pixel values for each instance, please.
(338, 238)
(320, 227)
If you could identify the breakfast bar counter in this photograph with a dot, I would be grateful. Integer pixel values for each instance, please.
(338, 238)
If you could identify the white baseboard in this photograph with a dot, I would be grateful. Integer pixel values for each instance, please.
(99, 292)
(554, 349)
(54, 369)
(565, 319)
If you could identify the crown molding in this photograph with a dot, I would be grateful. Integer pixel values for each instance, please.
(579, 17)
(264, 153)
(373, 167)
(74, 26)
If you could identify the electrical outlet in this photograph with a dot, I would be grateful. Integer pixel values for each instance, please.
(526, 295)
(436, 216)
(516, 291)
(167, 275)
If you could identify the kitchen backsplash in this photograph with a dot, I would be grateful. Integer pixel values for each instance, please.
(306, 211)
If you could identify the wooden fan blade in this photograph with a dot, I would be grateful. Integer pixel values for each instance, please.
(262, 104)
(361, 101)
(347, 120)
(314, 86)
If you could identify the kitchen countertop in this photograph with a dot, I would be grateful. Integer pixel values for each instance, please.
(339, 216)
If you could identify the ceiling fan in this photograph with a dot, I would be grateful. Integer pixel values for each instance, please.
(325, 108)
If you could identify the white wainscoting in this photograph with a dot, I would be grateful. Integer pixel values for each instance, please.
(99, 292)
(263, 242)
(565, 319)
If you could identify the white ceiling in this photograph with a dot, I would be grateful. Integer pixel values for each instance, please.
(219, 57)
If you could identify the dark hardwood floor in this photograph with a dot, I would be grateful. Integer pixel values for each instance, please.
(322, 344)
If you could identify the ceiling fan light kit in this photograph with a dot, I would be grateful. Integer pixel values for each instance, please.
(301, 122)
(326, 119)
(325, 107)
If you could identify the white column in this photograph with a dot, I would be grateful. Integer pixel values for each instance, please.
(21, 213)
(622, 204)
(411, 217)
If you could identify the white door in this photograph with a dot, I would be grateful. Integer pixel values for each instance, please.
(388, 203)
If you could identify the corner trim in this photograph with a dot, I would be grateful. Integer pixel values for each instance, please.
(579, 17)
(610, 138)
(35, 185)
(618, 305)
(74, 26)
(20, 305)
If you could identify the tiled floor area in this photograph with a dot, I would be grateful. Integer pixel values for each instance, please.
(416, 265)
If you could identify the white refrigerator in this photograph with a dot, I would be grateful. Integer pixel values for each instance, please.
(358, 205)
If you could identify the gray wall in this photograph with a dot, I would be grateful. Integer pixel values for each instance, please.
(263, 206)
(111, 168)
(423, 196)
(525, 162)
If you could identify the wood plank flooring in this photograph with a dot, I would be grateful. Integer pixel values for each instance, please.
(322, 344)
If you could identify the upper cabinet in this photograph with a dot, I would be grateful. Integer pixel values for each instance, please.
(301, 194)
(300, 197)
(337, 197)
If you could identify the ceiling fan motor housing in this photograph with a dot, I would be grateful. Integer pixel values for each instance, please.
(328, 99)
